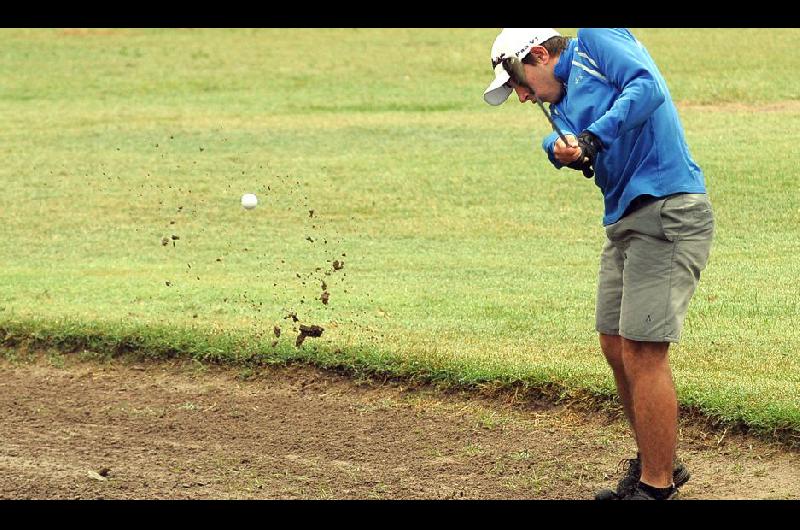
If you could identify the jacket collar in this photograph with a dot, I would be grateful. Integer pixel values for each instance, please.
(564, 65)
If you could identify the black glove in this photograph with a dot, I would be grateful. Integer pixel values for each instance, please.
(590, 145)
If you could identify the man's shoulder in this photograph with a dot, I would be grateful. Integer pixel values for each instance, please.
(594, 35)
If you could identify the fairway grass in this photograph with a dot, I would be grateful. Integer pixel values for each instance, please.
(467, 258)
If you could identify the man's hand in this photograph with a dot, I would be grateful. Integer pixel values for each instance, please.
(588, 145)
(567, 154)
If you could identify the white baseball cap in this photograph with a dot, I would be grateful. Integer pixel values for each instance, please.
(512, 42)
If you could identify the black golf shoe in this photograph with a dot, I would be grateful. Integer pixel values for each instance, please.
(633, 472)
(639, 493)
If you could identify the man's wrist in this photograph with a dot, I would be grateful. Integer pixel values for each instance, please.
(590, 144)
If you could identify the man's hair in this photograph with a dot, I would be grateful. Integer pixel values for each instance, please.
(553, 45)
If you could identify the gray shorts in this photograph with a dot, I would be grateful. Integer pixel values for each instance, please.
(650, 266)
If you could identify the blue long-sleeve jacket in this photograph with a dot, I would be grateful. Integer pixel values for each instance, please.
(615, 91)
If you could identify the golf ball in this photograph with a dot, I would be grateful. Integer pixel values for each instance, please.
(249, 201)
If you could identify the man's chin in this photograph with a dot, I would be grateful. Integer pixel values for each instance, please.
(548, 99)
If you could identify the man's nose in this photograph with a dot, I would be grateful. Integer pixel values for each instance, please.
(522, 93)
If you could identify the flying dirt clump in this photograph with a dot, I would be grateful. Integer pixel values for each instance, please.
(174, 239)
(308, 331)
(324, 297)
(338, 265)
(277, 331)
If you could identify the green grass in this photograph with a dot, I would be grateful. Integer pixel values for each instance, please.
(467, 257)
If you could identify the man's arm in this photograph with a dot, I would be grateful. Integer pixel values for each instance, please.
(578, 153)
(549, 142)
(621, 59)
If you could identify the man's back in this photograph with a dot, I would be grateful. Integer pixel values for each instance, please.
(615, 91)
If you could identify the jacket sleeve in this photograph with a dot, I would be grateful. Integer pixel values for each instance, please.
(621, 59)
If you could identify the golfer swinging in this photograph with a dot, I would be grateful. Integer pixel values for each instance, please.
(611, 102)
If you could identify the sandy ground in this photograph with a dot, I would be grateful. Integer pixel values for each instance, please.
(89, 429)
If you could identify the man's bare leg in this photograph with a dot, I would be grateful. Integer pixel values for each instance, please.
(612, 349)
(655, 408)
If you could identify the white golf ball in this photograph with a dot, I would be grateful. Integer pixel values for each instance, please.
(249, 201)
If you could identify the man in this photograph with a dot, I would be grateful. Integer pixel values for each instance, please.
(612, 104)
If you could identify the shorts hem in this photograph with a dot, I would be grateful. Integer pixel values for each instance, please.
(612, 332)
(650, 339)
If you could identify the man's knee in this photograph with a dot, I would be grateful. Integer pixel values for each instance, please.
(644, 348)
(640, 355)
(612, 349)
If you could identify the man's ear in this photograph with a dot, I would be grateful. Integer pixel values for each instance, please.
(541, 54)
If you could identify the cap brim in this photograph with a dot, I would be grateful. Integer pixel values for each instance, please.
(498, 91)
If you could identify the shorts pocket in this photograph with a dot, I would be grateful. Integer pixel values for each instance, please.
(687, 216)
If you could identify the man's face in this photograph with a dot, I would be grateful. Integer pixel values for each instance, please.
(541, 78)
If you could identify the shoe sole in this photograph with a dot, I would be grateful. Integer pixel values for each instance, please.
(606, 495)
